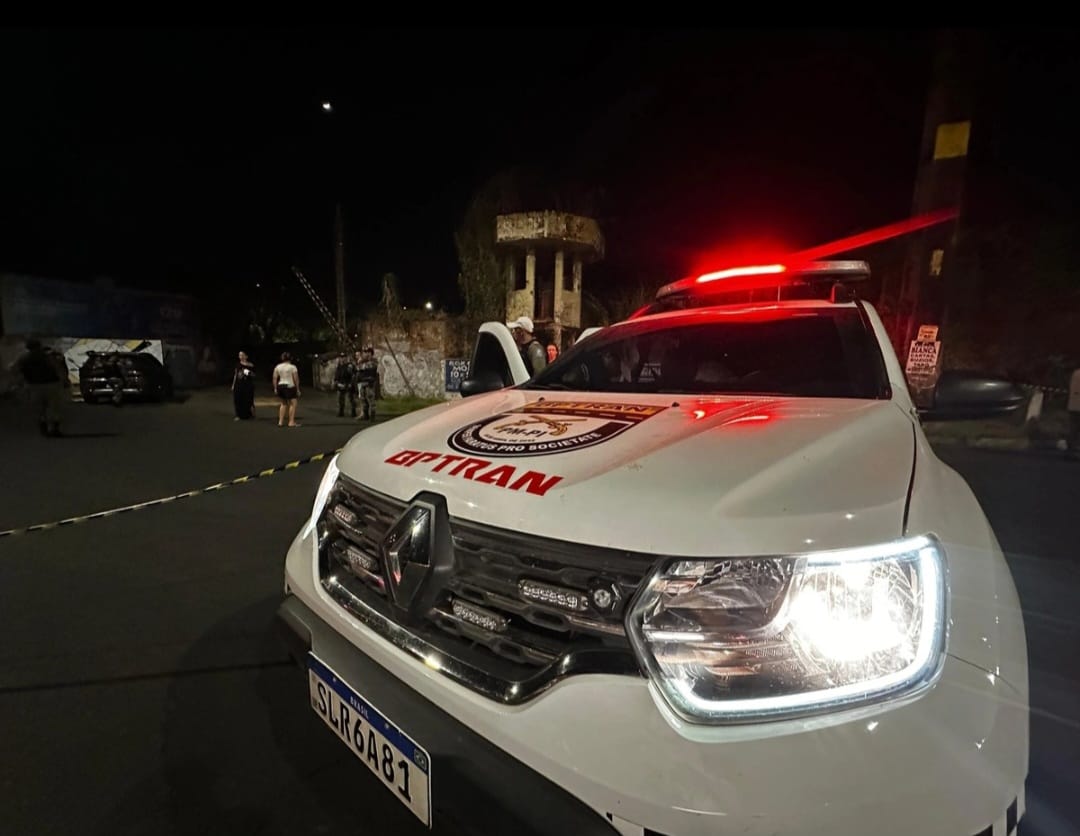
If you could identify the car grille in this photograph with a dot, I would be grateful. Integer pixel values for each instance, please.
(513, 614)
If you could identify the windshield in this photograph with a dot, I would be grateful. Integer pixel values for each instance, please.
(826, 352)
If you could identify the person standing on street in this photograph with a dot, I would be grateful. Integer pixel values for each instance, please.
(345, 379)
(532, 352)
(44, 374)
(287, 385)
(1074, 415)
(243, 388)
(367, 377)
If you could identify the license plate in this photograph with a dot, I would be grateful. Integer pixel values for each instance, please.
(393, 757)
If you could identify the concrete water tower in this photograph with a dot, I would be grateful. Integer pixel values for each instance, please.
(540, 284)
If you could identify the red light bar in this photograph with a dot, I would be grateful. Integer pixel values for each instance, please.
(806, 259)
(758, 270)
(771, 275)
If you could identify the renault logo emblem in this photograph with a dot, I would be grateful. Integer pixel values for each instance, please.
(407, 553)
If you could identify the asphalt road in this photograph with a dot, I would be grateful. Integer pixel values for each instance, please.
(1033, 500)
(141, 687)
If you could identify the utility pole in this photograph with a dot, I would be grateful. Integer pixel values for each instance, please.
(939, 185)
(339, 266)
(339, 224)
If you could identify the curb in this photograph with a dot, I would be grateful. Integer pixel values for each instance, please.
(997, 443)
(985, 442)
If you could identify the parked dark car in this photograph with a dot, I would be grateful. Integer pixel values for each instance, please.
(118, 376)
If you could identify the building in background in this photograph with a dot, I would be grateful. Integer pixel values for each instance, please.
(540, 283)
(72, 315)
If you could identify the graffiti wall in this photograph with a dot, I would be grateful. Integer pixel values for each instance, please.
(76, 351)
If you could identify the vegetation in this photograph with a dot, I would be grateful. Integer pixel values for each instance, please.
(393, 407)
(480, 277)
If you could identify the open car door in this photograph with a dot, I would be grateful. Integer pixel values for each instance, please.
(496, 362)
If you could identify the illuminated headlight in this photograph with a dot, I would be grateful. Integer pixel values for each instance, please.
(765, 638)
(329, 479)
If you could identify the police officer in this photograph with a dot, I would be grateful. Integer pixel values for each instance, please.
(345, 378)
(532, 352)
(44, 374)
(368, 378)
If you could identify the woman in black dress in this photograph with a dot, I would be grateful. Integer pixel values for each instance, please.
(243, 388)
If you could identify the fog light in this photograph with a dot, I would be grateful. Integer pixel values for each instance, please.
(359, 560)
(556, 596)
(480, 617)
(344, 515)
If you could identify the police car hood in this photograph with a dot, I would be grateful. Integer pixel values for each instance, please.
(669, 474)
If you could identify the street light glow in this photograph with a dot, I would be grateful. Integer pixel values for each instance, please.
(428, 306)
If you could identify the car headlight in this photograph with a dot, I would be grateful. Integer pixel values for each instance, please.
(763, 638)
(329, 479)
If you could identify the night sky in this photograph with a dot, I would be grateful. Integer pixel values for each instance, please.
(200, 161)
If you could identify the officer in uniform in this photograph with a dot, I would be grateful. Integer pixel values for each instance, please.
(44, 374)
(345, 379)
(368, 378)
(532, 352)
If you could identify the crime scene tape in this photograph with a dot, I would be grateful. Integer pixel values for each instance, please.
(138, 506)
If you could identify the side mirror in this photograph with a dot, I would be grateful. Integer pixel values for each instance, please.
(966, 395)
(483, 382)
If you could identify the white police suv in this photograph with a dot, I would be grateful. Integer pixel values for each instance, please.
(702, 575)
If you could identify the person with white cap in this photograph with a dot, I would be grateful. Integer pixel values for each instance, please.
(532, 352)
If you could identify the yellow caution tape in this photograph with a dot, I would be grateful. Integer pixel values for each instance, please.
(138, 506)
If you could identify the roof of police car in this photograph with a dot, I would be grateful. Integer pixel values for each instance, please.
(768, 310)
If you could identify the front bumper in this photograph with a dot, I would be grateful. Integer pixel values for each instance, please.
(952, 762)
(479, 785)
(96, 386)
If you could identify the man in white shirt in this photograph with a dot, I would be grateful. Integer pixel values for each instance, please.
(287, 386)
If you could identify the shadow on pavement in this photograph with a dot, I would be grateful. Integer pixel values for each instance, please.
(242, 752)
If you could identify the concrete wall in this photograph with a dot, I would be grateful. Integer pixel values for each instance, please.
(407, 370)
(53, 308)
(520, 303)
(573, 231)
(411, 356)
